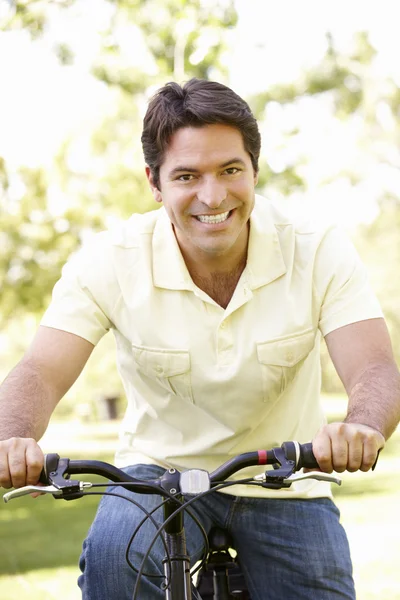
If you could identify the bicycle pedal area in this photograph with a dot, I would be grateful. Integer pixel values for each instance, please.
(236, 584)
(221, 563)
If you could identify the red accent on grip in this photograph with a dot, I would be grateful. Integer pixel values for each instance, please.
(262, 457)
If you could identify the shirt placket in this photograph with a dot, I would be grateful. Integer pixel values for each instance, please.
(225, 334)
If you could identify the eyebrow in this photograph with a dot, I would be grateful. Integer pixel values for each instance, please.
(187, 169)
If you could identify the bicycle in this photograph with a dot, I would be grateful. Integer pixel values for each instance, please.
(175, 487)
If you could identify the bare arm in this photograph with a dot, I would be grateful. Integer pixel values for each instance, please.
(28, 397)
(363, 357)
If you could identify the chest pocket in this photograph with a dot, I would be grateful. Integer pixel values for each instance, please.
(280, 362)
(169, 369)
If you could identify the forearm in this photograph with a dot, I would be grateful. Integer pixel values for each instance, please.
(26, 402)
(374, 399)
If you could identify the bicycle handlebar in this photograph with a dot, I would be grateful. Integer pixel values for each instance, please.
(286, 460)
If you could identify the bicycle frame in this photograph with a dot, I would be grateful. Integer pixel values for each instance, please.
(177, 568)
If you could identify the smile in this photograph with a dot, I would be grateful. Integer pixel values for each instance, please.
(213, 218)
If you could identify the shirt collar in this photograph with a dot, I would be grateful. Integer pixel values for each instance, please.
(265, 261)
(169, 268)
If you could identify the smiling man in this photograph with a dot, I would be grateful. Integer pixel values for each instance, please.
(206, 184)
(218, 302)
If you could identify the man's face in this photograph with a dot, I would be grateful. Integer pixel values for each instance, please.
(207, 186)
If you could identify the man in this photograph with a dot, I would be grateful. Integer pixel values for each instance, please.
(217, 303)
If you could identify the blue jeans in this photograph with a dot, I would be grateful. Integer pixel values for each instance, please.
(288, 549)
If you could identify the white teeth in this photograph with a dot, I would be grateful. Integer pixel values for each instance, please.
(213, 218)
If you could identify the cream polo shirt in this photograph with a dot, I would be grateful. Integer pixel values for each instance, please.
(205, 383)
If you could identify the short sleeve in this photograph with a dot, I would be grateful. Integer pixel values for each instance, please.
(82, 298)
(342, 285)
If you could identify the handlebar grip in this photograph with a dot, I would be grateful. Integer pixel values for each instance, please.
(50, 465)
(43, 478)
(307, 459)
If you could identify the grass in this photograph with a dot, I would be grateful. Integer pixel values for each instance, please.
(42, 533)
(40, 540)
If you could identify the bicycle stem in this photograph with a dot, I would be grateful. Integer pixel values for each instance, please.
(177, 567)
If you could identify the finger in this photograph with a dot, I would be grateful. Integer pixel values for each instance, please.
(36, 494)
(355, 452)
(323, 452)
(5, 476)
(34, 463)
(376, 460)
(16, 464)
(340, 452)
(370, 453)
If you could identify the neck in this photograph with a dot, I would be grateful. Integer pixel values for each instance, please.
(208, 265)
(217, 277)
(208, 268)
(219, 284)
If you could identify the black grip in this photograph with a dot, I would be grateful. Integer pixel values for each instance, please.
(50, 465)
(43, 479)
(307, 459)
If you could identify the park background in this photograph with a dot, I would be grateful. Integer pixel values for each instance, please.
(75, 76)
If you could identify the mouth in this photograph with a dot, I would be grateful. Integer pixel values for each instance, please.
(214, 219)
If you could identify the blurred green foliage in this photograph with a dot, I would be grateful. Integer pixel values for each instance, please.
(181, 40)
(36, 242)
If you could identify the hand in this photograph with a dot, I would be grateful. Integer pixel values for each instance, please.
(347, 446)
(21, 462)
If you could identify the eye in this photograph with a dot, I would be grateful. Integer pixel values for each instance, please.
(186, 177)
(232, 171)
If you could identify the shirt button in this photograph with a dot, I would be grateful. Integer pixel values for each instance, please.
(289, 356)
(223, 325)
(159, 369)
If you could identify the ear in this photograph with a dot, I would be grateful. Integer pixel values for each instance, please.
(255, 178)
(154, 189)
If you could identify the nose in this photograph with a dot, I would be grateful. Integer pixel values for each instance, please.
(212, 193)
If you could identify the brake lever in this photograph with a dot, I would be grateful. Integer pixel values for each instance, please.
(45, 489)
(319, 476)
(29, 489)
(287, 482)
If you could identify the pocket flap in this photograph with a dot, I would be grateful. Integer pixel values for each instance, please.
(287, 352)
(161, 363)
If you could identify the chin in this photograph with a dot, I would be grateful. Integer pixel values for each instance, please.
(215, 250)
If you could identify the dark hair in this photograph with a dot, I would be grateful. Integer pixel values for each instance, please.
(197, 103)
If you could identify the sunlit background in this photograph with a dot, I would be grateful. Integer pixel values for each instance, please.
(75, 77)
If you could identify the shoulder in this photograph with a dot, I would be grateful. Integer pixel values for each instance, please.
(130, 233)
(284, 217)
(108, 252)
(121, 234)
(304, 238)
